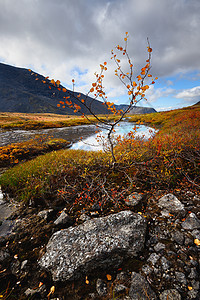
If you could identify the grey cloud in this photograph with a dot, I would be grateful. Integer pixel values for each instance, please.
(46, 34)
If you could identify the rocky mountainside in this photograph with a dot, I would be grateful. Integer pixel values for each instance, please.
(22, 91)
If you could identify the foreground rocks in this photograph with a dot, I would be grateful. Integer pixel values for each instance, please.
(99, 243)
(132, 254)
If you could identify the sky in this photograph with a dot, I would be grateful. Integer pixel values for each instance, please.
(69, 39)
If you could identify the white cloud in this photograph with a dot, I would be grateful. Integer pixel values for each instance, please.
(189, 94)
(153, 94)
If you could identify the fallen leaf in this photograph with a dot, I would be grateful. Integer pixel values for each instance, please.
(197, 242)
(86, 280)
(109, 277)
(189, 288)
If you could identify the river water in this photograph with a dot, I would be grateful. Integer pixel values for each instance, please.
(72, 134)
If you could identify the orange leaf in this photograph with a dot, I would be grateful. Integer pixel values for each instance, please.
(64, 90)
(197, 242)
(86, 280)
(109, 277)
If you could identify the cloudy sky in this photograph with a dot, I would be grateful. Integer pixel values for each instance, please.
(66, 39)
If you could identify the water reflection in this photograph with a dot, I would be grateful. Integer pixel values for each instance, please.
(91, 143)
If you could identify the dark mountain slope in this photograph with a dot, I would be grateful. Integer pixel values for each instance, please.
(23, 91)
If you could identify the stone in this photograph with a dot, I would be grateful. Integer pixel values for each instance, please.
(170, 295)
(4, 254)
(147, 269)
(133, 199)
(153, 258)
(23, 264)
(165, 263)
(62, 219)
(191, 222)
(193, 274)
(196, 234)
(97, 243)
(101, 287)
(180, 277)
(84, 217)
(159, 247)
(178, 237)
(169, 203)
(140, 288)
(44, 214)
(119, 289)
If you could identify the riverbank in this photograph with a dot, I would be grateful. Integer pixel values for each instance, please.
(150, 199)
(41, 120)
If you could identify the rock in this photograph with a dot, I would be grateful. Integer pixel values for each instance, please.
(170, 204)
(62, 219)
(196, 234)
(193, 295)
(170, 295)
(23, 264)
(178, 237)
(140, 288)
(4, 254)
(133, 199)
(119, 289)
(84, 217)
(191, 223)
(180, 277)
(98, 243)
(44, 214)
(193, 274)
(15, 267)
(123, 276)
(153, 258)
(147, 269)
(30, 292)
(165, 263)
(159, 246)
(101, 287)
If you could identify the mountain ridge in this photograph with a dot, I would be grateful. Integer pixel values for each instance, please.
(23, 91)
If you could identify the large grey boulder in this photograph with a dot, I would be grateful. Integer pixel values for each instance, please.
(98, 243)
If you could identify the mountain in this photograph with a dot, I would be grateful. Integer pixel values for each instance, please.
(136, 110)
(24, 91)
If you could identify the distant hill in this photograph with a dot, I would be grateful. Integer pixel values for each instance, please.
(21, 92)
(136, 110)
(197, 104)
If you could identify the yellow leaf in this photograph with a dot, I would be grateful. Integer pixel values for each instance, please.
(109, 277)
(189, 288)
(86, 280)
(197, 242)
